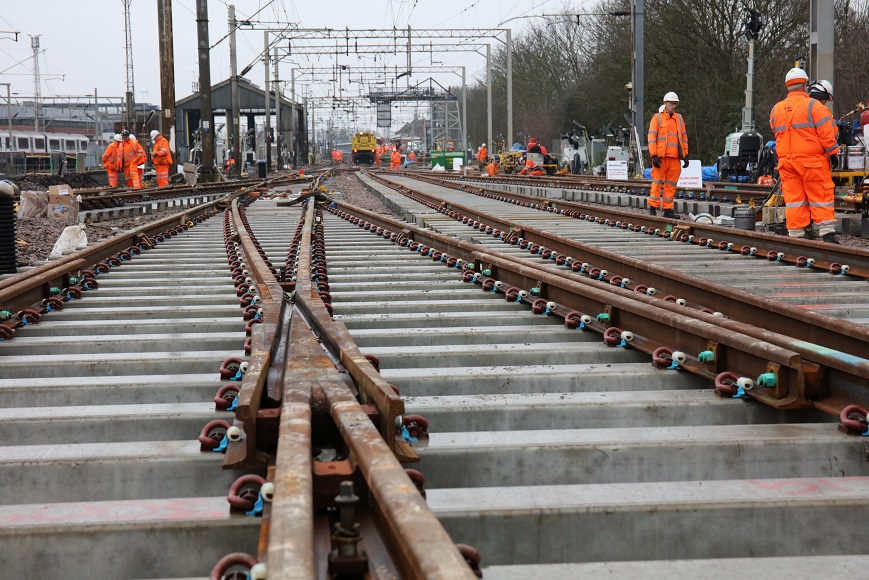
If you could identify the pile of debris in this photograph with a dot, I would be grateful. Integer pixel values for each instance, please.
(42, 181)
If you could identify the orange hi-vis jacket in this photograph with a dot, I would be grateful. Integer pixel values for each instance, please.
(483, 154)
(113, 158)
(130, 153)
(162, 153)
(803, 126)
(666, 134)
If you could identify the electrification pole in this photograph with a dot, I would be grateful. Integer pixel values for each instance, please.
(37, 90)
(131, 89)
(167, 76)
(489, 98)
(206, 126)
(278, 121)
(638, 90)
(234, 118)
(509, 88)
(268, 122)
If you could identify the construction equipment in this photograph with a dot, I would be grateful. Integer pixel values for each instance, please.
(364, 144)
(772, 211)
(576, 152)
(740, 158)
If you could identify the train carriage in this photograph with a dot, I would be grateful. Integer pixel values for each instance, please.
(37, 149)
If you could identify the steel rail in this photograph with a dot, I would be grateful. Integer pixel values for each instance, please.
(827, 379)
(815, 329)
(825, 254)
(599, 183)
(266, 353)
(372, 388)
(401, 532)
(116, 197)
(30, 288)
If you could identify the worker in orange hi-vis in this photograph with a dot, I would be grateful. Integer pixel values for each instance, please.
(161, 155)
(805, 142)
(668, 147)
(395, 160)
(142, 160)
(113, 159)
(130, 162)
(483, 155)
(378, 151)
(492, 168)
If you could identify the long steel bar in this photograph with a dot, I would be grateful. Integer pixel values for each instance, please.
(855, 367)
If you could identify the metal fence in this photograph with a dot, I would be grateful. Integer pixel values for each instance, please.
(13, 164)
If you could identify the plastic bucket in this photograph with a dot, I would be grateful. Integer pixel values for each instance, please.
(856, 158)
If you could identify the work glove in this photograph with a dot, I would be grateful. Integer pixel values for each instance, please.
(834, 161)
(684, 163)
(656, 161)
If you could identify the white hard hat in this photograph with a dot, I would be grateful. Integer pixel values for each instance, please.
(483, 145)
(829, 86)
(671, 96)
(154, 134)
(796, 76)
(118, 137)
(821, 90)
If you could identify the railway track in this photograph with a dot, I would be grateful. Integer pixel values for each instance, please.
(546, 446)
(548, 449)
(716, 198)
(103, 400)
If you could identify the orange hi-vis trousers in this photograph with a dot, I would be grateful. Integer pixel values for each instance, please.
(162, 175)
(667, 176)
(807, 188)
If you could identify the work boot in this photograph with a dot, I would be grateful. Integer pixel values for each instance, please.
(810, 233)
(653, 211)
(830, 238)
(669, 213)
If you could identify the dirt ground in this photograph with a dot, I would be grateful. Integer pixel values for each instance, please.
(37, 235)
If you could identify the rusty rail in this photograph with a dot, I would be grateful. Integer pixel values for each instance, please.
(814, 375)
(779, 317)
(400, 534)
(30, 288)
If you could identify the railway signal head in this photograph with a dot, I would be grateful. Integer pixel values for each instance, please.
(753, 21)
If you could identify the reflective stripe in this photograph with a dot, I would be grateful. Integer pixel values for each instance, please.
(820, 204)
(808, 125)
(665, 198)
(831, 148)
(673, 183)
(823, 120)
(803, 203)
(657, 181)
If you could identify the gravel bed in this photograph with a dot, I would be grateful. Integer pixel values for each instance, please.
(350, 189)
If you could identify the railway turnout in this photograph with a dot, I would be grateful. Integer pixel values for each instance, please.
(276, 383)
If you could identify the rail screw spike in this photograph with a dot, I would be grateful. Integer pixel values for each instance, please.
(346, 559)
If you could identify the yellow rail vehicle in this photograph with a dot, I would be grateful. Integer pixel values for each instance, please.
(364, 144)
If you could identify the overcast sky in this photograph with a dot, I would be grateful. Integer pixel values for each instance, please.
(83, 40)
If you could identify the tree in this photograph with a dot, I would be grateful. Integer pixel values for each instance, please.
(571, 68)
